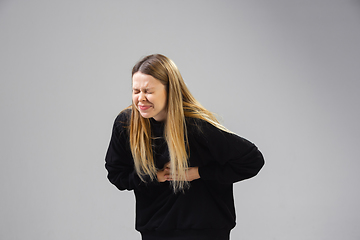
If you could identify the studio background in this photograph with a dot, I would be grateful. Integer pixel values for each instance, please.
(283, 74)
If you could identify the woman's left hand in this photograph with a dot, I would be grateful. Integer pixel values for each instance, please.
(192, 174)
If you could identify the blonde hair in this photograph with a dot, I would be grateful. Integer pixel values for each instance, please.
(180, 104)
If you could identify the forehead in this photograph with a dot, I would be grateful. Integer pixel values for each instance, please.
(141, 80)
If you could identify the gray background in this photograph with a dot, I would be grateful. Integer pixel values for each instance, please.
(283, 74)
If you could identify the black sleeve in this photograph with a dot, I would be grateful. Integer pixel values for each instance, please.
(118, 161)
(234, 158)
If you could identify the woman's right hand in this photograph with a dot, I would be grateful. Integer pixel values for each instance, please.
(164, 174)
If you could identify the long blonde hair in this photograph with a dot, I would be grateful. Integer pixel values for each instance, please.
(180, 104)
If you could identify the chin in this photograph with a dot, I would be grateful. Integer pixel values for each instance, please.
(145, 115)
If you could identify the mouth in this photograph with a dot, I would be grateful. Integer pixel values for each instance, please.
(143, 108)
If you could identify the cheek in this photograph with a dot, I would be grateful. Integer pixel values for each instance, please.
(134, 98)
(150, 98)
(164, 99)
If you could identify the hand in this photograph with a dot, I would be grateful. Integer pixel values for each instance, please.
(192, 174)
(164, 174)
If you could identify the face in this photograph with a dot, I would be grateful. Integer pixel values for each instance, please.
(149, 96)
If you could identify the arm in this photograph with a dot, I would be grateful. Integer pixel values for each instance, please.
(233, 158)
(118, 160)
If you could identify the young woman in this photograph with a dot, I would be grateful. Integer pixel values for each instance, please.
(180, 162)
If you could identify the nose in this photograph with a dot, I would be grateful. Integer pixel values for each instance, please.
(141, 97)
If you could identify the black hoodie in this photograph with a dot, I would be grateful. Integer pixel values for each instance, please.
(206, 209)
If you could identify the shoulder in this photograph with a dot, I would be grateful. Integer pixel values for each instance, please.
(124, 116)
(201, 124)
(201, 127)
(122, 121)
(214, 135)
(194, 124)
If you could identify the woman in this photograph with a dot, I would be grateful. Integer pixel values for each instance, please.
(180, 162)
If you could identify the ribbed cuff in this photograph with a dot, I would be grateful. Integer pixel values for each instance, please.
(190, 234)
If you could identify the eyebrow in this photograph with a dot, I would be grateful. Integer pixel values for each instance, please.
(146, 89)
